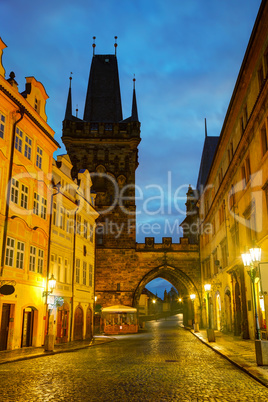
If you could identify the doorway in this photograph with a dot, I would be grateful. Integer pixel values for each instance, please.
(78, 324)
(4, 326)
(89, 324)
(63, 324)
(27, 327)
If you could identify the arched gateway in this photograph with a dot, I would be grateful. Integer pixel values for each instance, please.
(107, 145)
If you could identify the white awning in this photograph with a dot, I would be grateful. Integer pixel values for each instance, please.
(119, 308)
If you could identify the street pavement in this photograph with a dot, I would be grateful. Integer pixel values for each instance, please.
(164, 363)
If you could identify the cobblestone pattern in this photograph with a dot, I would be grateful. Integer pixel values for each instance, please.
(165, 364)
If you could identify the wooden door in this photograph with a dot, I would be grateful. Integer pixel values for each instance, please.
(78, 324)
(4, 326)
(27, 328)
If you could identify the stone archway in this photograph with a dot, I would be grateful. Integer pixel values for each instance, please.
(180, 280)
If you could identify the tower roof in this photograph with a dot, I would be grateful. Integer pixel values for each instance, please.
(103, 100)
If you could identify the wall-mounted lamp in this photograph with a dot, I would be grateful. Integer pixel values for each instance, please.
(51, 286)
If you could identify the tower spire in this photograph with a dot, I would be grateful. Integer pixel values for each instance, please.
(115, 44)
(134, 113)
(206, 133)
(68, 111)
(94, 45)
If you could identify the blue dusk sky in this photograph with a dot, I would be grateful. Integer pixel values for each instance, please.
(185, 55)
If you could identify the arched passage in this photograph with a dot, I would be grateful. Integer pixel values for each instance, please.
(182, 282)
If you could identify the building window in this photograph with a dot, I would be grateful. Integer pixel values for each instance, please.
(68, 223)
(2, 125)
(77, 271)
(10, 250)
(91, 233)
(66, 265)
(85, 229)
(78, 224)
(40, 261)
(224, 254)
(28, 147)
(84, 273)
(36, 204)
(36, 105)
(32, 258)
(59, 269)
(39, 156)
(24, 196)
(248, 169)
(62, 220)
(260, 77)
(44, 208)
(264, 140)
(90, 269)
(18, 140)
(221, 214)
(14, 191)
(20, 255)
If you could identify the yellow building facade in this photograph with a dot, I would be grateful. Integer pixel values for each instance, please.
(26, 154)
(72, 253)
(233, 206)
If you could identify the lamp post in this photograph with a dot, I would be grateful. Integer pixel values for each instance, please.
(49, 340)
(192, 297)
(210, 331)
(251, 261)
(207, 287)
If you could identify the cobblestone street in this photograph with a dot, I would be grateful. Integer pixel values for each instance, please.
(165, 363)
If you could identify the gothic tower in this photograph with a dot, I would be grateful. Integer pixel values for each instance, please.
(107, 145)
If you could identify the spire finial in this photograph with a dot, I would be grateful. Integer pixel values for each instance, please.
(76, 110)
(70, 78)
(94, 45)
(115, 44)
(134, 81)
(206, 133)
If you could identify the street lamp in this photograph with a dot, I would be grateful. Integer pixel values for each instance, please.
(251, 261)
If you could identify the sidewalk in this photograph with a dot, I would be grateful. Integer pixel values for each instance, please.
(239, 351)
(8, 356)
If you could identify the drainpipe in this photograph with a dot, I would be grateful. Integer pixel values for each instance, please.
(21, 111)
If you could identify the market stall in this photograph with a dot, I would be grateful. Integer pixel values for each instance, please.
(119, 320)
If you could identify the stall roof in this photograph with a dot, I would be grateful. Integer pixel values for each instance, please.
(119, 308)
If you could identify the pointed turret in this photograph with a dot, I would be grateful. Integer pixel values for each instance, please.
(134, 113)
(68, 112)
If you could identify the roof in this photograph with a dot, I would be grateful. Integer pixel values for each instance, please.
(103, 100)
(120, 308)
(209, 149)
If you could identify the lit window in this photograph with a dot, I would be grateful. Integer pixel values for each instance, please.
(40, 261)
(10, 250)
(39, 156)
(28, 147)
(20, 255)
(44, 208)
(24, 197)
(15, 191)
(18, 140)
(68, 224)
(36, 204)
(2, 125)
(66, 265)
(84, 273)
(32, 258)
(77, 271)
